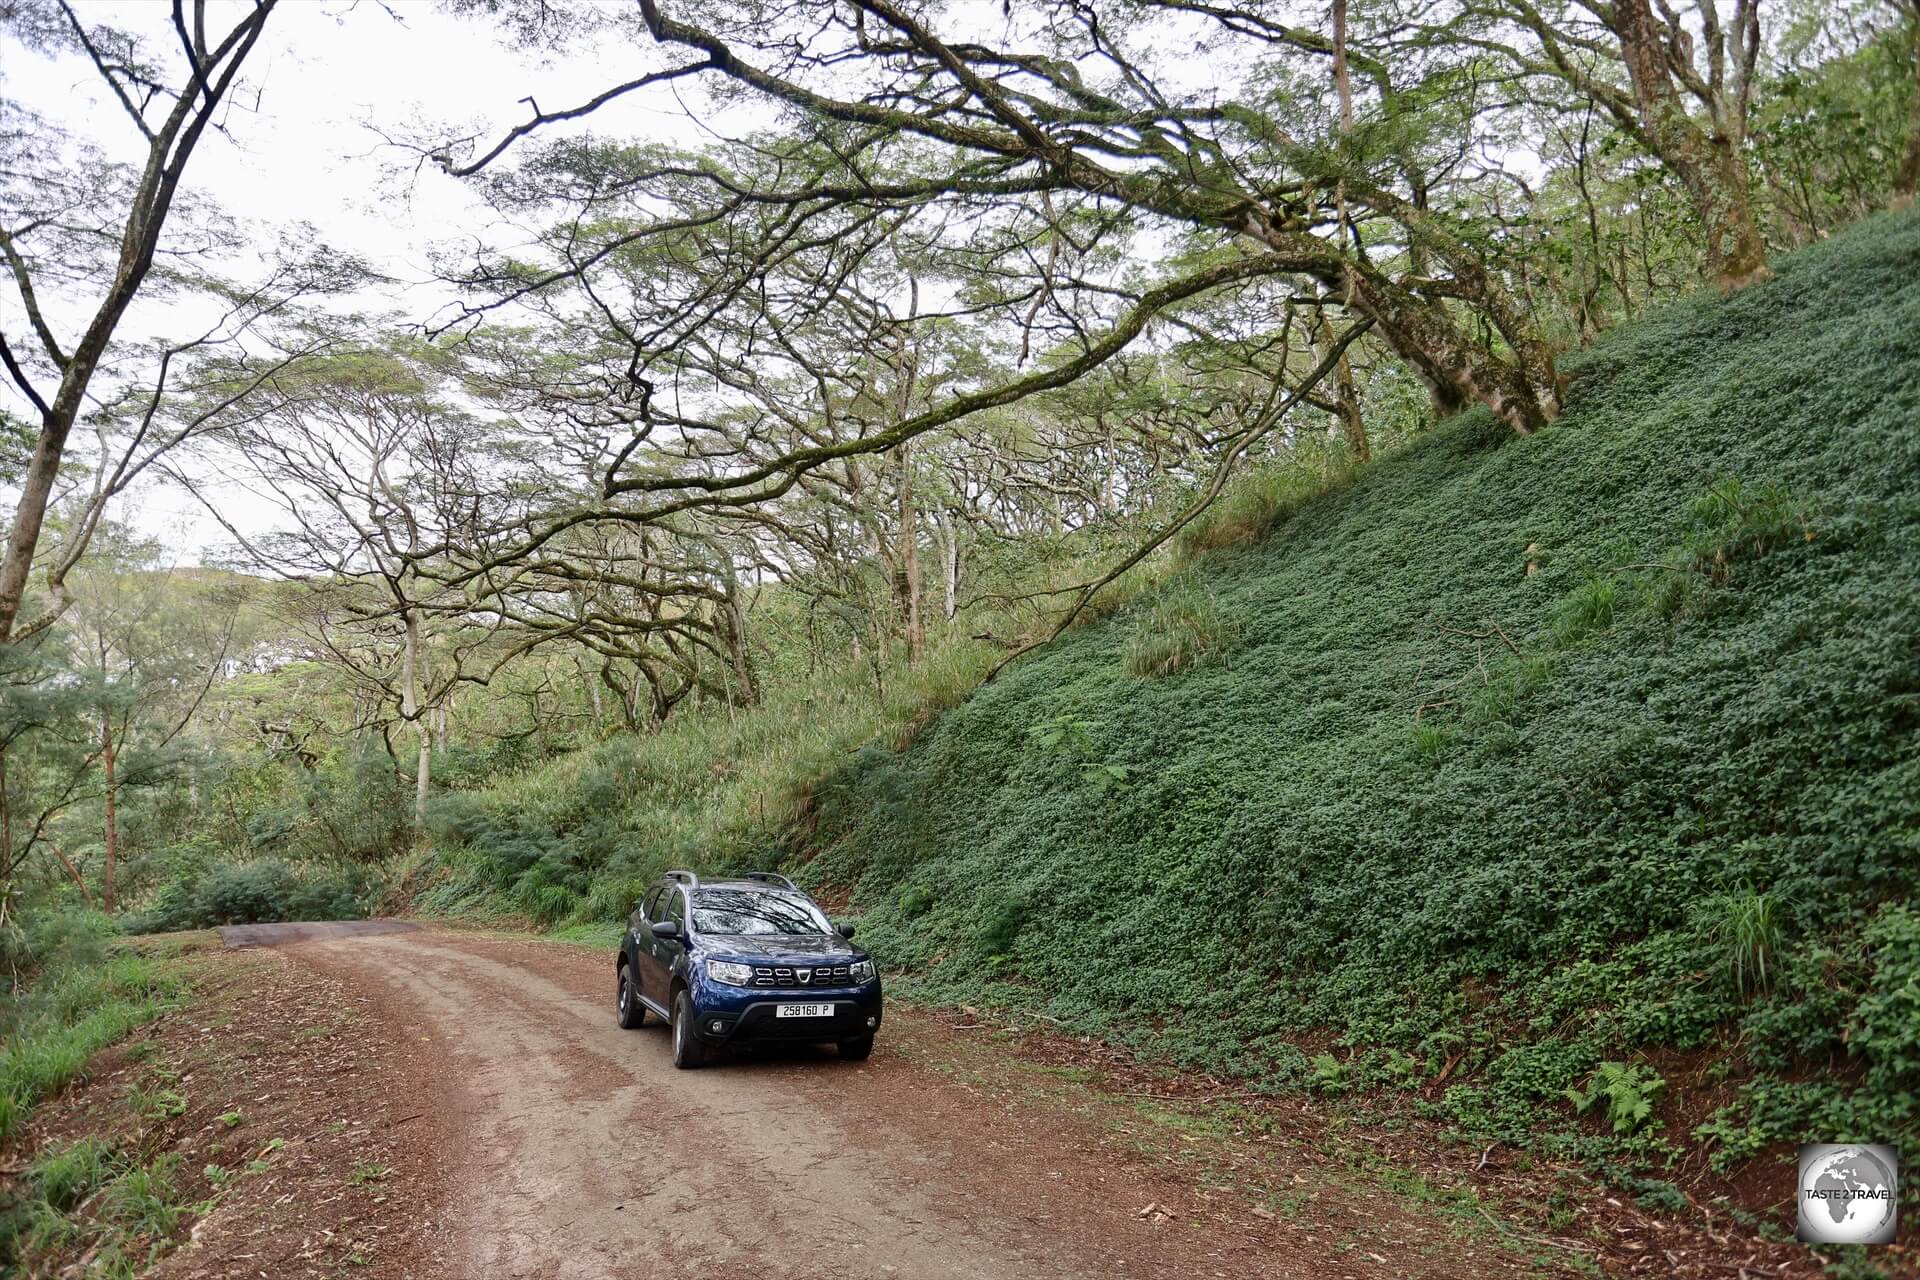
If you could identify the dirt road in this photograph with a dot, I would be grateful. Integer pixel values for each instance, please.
(577, 1150)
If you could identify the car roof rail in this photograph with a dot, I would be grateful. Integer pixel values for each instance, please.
(770, 877)
(686, 878)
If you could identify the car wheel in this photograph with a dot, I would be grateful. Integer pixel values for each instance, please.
(627, 1006)
(688, 1052)
(857, 1050)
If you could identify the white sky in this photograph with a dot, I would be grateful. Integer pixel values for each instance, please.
(331, 76)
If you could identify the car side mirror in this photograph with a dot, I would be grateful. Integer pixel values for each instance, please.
(666, 928)
(844, 928)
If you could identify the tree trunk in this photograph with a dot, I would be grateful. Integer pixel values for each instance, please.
(593, 692)
(909, 559)
(169, 148)
(6, 824)
(86, 895)
(412, 712)
(734, 622)
(1342, 82)
(1711, 165)
(108, 890)
(1722, 195)
(950, 562)
(1458, 372)
(423, 774)
(1346, 400)
(1907, 181)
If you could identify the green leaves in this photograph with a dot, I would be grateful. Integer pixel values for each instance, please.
(1886, 1024)
(1067, 738)
(1629, 1091)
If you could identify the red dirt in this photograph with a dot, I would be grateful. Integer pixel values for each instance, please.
(457, 1105)
(586, 1154)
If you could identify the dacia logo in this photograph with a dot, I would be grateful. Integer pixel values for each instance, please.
(805, 976)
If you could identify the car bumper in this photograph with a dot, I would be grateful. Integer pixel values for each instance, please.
(757, 1022)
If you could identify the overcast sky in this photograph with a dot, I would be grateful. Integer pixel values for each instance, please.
(305, 142)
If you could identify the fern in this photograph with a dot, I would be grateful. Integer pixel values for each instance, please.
(1629, 1091)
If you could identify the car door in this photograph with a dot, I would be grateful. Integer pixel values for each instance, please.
(653, 954)
(636, 945)
(673, 906)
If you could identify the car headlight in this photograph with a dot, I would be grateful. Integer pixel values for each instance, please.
(863, 971)
(734, 975)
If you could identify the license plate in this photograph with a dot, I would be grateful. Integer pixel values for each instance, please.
(803, 1011)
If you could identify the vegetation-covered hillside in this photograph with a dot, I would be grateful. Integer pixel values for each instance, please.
(1508, 759)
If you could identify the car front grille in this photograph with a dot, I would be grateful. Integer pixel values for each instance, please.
(838, 975)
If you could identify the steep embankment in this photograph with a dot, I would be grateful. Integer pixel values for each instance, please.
(1434, 820)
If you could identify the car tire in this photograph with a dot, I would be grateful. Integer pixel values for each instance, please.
(688, 1052)
(627, 1004)
(857, 1050)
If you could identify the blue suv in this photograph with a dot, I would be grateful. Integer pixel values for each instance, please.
(751, 960)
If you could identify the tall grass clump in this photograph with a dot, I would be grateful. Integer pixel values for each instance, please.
(1749, 929)
(1182, 626)
(1588, 608)
(64, 1176)
(143, 1201)
(1255, 502)
(1733, 519)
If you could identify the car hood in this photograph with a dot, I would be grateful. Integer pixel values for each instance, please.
(800, 947)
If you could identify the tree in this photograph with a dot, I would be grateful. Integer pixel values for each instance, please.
(1036, 152)
(1684, 93)
(152, 639)
(62, 222)
(374, 473)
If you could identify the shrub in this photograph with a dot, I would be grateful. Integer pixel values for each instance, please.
(251, 893)
(1886, 1023)
(1002, 924)
(247, 894)
(69, 938)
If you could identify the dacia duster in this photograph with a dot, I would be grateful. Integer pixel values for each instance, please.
(750, 960)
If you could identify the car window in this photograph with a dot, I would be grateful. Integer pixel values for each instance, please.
(756, 912)
(677, 907)
(651, 911)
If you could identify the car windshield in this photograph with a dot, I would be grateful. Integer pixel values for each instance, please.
(756, 912)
